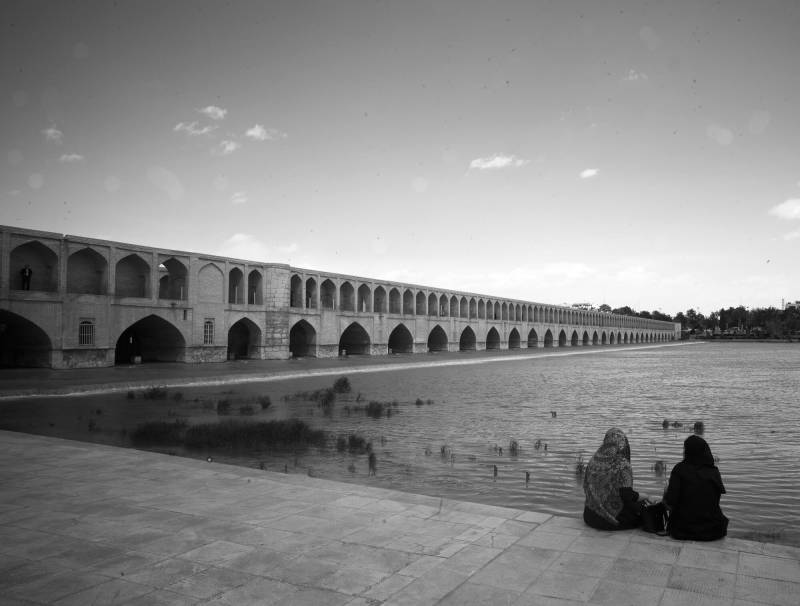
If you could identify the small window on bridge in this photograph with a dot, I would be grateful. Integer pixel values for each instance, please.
(86, 332)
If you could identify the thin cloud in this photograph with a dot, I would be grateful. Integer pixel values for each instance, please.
(259, 133)
(193, 128)
(70, 158)
(227, 147)
(239, 197)
(53, 134)
(720, 134)
(496, 162)
(633, 76)
(214, 112)
(787, 210)
(589, 173)
(792, 235)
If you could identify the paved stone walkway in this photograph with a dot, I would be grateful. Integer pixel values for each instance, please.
(91, 524)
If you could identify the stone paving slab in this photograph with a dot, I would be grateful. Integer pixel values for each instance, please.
(92, 524)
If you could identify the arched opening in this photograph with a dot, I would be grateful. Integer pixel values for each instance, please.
(603, 338)
(132, 277)
(347, 297)
(492, 339)
(354, 341)
(595, 338)
(400, 340)
(328, 295)
(513, 339)
(364, 299)
(453, 313)
(433, 308)
(585, 339)
(244, 337)
(473, 309)
(533, 339)
(394, 301)
(295, 291)
(610, 338)
(172, 280)
(236, 286)
(625, 338)
(443, 311)
(303, 340)
(481, 310)
(548, 338)
(42, 262)
(22, 343)
(437, 339)
(87, 273)
(562, 339)
(573, 339)
(151, 339)
(467, 340)
(311, 293)
(463, 308)
(421, 310)
(379, 300)
(254, 288)
(408, 303)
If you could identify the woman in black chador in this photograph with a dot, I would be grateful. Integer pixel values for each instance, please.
(693, 494)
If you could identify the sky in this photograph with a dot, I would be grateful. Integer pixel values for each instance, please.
(630, 153)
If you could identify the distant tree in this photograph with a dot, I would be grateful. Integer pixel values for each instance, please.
(605, 307)
(624, 311)
(645, 314)
(679, 317)
(657, 315)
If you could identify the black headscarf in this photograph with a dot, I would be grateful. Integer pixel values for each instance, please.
(696, 451)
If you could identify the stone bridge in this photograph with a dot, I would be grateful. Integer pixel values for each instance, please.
(95, 302)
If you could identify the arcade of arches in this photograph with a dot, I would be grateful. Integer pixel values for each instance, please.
(67, 301)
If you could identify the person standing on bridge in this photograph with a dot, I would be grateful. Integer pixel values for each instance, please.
(26, 273)
(611, 501)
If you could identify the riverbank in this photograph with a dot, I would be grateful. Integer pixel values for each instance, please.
(87, 523)
(37, 382)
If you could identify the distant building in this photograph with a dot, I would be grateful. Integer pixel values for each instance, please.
(790, 305)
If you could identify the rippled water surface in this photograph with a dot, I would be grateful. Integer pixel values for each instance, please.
(744, 393)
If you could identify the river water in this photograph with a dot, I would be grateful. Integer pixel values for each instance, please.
(557, 405)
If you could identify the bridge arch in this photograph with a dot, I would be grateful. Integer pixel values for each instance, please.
(595, 338)
(401, 340)
(548, 338)
(379, 300)
(467, 341)
(327, 294)
(513, 339)
(408, 302)
(244, 339)
(303, 340)
(153, 339)
(437, 339)
(22, 342)
(354, 340)
(87, 272)
(492, 339)
(255, 289)
(132, 277)
(295, 290)
(421, 309)
(42, 261)
(172, 280)
(364, 296)
(236, 294)
(585, 338)
(433, 306)
(463, 308)
(562, 338)
(533, 339)
(394, 301)
(347, 300)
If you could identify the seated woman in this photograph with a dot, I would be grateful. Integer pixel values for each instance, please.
(611, 502)
(693, 494)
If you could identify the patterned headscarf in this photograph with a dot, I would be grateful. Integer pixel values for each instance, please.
(607, 472)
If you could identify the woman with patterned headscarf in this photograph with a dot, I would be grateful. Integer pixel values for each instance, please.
(693, 493)
(611, 501)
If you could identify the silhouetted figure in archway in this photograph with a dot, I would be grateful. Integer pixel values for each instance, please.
(26, 273)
